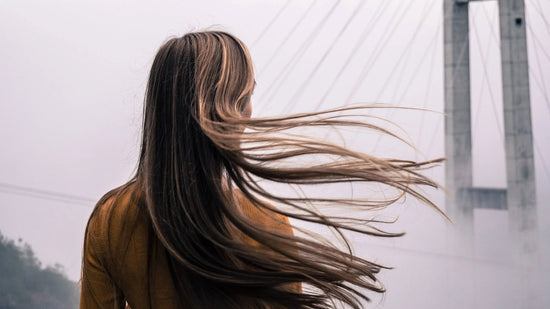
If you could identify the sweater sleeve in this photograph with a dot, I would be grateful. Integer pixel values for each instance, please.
(98, 289)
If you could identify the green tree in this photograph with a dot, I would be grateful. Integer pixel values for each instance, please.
(24, 283)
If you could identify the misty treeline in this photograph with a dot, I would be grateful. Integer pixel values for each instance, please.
(25, 283)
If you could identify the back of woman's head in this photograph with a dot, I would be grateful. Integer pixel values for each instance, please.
(202, 81)
(197, 102)
(199, 144)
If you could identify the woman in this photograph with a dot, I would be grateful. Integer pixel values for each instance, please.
(192, 228)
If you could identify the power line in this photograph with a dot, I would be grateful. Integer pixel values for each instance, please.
(427, 93)
(540, 84)
(362, 39)
(287, 37)
(540, 153)
(486, 77)
(379, 48)
(407, 52)
(537, 40)
(442, 255)
(45, 194)
(538, 9)
(544, 94)
(309, 78)
(279, 80)
(413, 76)
(270, 23)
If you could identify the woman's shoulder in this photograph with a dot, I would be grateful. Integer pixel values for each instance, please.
(116, 204)
(116, 216)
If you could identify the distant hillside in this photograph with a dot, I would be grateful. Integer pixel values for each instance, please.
(24, 283)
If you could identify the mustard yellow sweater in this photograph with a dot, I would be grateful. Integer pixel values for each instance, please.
(124, 260)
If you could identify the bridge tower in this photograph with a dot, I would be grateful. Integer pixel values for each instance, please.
(519, 198)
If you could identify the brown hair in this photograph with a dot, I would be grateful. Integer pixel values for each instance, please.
(198, 145)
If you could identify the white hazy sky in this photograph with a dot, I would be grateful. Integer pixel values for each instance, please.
(72, 78)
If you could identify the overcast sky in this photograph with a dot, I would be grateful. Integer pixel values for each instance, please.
(72, 78)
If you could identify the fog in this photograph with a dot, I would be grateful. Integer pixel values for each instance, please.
(72, 78)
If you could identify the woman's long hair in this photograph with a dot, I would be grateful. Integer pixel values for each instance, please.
(199, 145)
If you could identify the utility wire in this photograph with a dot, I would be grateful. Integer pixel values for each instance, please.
(45, 194)
(279, 80)
(309, 78)
(362, 39)
(447, 256)
(287, 37)
(379, 48)
(544, 94)
(540, 84)
(537, 40)
(407, 51)
(432, 141)
(264, 31)
(409, 83)
(427, 92)
(433, 42)
(486, 77)
(538, 9)
(540, 153)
